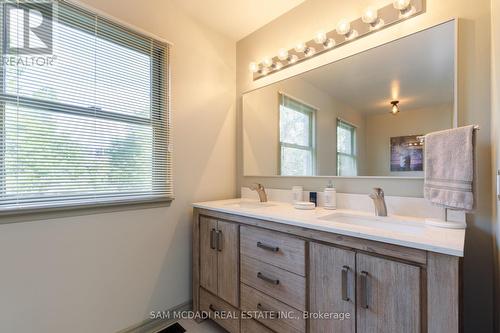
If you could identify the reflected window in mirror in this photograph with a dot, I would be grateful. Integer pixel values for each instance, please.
(296, 133)
(347, 164)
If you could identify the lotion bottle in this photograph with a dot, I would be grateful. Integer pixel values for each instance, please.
(330, 196)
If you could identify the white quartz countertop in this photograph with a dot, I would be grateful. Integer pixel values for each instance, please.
(399, 230)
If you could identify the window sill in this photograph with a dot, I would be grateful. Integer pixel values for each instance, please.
(29, 214)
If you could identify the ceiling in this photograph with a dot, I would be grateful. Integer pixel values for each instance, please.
(236, 18)
(417, 70)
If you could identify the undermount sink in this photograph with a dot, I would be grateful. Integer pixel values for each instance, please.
(379, 222)
(249, 204)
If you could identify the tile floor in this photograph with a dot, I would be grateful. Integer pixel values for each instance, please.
(207, 326)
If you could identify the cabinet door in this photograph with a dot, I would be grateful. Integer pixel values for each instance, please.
(208, 254)
(388, 296)
(332, 288)
(228, 262)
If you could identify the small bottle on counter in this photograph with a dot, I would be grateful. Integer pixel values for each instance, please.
(330, 196)
(313, 197)
(297, 193)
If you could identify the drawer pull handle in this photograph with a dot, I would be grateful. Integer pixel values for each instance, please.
(345, 272)
(274, 314)
(219, 240)
(268, 247)
(212, 308)
(212, 239)
(267, 279)
(364, 289)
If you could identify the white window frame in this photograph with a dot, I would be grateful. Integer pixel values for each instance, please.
(162, 113)
(312, 133)
(354, 149)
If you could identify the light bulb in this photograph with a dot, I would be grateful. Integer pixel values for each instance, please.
(395, 107)
(293, 59)
(300, 47)
(329, 43)
(267, 62)
(309, 51)
(253, 67)
(320, 37)
(343, 27)
(370, 15)
(282, 54)
(401, 4)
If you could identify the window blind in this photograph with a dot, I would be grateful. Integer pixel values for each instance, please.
(93, 126)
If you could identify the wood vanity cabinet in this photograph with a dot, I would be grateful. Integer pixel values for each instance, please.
(219, 259)
(243, 264)
(380, 295)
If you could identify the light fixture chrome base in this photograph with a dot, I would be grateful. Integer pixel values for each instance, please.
(387, 16)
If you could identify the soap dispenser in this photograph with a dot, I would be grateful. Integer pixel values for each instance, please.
(330, 196)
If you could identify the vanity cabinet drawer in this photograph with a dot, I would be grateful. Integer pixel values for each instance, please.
(274, 314)
(275, 248)
(288, 287)
(251, 326)
(221, 312)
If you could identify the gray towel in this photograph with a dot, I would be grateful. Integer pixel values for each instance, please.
(449, 168)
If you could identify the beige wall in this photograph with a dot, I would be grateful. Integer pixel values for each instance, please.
(104, 272)
(495, 125)
(473, 108)
(381, 127)
(260, 126)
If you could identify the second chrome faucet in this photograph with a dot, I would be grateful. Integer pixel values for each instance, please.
(379, 201)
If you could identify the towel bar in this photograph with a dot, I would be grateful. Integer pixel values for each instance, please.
(421, 138)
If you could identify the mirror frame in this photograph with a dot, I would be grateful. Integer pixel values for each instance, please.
(281, 76)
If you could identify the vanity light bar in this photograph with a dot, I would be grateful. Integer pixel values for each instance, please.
(373, 19)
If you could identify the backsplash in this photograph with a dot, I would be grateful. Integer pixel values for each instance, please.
(406, 206)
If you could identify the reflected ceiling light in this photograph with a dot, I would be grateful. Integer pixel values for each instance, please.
(395, 107)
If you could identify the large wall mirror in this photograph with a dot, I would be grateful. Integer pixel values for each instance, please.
(338, 120)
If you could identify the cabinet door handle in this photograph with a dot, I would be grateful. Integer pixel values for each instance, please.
(219, 240)
(345, 272)
(268, 247)
(212, 239)
(212, 308)
(364, 289)
(267, 279)
(274, 314)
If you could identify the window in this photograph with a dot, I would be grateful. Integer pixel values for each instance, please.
(346, 149)
(91, 127)
(296, 137)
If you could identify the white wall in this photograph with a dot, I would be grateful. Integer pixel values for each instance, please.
(381, 127)
(495, 125)
(474, 107)
(105, 272)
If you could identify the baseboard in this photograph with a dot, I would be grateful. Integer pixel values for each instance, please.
(157, 324)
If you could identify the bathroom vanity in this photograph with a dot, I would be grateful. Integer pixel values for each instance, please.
(323, 271)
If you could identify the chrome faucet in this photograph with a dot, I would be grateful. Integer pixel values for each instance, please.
(378, 200)
(260, 190)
